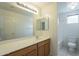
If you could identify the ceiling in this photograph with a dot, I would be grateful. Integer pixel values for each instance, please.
(63, 7)
(39, 4)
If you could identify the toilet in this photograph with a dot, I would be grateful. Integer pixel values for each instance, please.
(72, 44)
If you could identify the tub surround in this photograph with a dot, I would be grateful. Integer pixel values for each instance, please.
(9, 46)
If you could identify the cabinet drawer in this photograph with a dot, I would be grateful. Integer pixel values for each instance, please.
(43, 42)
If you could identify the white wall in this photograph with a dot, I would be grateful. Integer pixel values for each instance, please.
(50, 10)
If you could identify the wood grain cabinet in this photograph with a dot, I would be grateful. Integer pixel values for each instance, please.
(28, 51)
(39, 49)
(43, 48)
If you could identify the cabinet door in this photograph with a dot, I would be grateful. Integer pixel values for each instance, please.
(46, 49)
(32, 53)
(41, 50)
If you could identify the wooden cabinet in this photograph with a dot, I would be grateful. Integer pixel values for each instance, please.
(39, 49)
(28, 51)
(44, 48)
(32, 53)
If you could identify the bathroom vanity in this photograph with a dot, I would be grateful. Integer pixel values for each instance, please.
(39, 49)
(15, 30)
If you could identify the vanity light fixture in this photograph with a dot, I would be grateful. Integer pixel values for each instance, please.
(29, 7)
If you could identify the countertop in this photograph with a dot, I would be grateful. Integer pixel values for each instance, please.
(9, 46)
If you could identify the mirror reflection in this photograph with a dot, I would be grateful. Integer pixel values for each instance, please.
(15, 25)
(43, 24)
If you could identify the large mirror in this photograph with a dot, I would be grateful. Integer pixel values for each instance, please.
(43, 24)
(15, 25)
